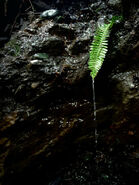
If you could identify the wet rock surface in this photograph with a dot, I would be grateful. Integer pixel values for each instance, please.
(116, 3)
(46, 118)
(48, 14)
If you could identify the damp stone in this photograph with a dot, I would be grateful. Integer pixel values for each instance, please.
(48, 14)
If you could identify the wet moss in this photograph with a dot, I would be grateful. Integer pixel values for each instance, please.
(14, 48)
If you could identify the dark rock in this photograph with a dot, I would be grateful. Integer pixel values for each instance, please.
(62, 31)
(115, 3)
(42, 41)
(66, 18)
(40, 5)
(52, 46)
(7, 15)
(46, 103)
(128, 25)
(3, 40)
(95, 5)
(128, 92)
(79, 46)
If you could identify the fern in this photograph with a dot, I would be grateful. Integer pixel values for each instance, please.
(99, 46)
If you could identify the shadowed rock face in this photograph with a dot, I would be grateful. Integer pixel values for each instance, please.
(46, 96)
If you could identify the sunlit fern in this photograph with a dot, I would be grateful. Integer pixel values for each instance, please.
(99, 46)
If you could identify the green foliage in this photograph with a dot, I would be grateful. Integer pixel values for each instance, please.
(99, 46)
(14, 48)
(17, 50)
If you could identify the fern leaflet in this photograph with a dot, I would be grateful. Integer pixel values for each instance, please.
(99, 47)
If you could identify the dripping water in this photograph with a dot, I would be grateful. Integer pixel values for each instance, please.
(94, 100)
(94, 110)
(96, 130)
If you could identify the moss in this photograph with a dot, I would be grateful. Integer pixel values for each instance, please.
(14, 48)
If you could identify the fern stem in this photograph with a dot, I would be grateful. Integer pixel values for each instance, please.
(94, 111)
(94, 100)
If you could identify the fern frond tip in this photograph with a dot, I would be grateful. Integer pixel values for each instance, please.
(99, 46)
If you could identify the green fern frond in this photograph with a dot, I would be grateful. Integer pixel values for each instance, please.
(99, 47)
